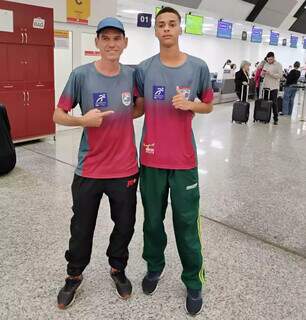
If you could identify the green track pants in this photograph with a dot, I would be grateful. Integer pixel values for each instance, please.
(184, 192)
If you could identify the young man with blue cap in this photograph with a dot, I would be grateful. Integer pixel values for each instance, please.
(107, 161)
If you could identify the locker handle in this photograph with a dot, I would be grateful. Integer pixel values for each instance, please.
(22, 37)
(8, 87)
(28, 95)
(24, 96)
(26, 37)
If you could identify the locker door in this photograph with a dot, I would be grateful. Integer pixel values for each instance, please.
(16, 109)
(46, 64)
(16, 61)
(38, 25)
(3, 63)
(40, 112)
(14, 10)
(31, 64)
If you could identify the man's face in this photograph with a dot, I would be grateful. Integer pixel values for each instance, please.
(270, 60)
(111, 43)
(168, 29)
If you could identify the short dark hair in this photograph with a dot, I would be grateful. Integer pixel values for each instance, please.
(270, 54)
(297, 64)
(101, 30)
(168, 10)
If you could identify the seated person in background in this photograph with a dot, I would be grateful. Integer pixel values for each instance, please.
(242, 79)
(7, 149)
(290, 89)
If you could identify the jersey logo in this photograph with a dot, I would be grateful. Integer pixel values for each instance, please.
(159, 92)
(149, 148)
(185, 91)
(126, 98)
(100, 100)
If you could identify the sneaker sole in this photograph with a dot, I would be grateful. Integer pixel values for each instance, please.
(74, 297)
(193, 315)
(160, 278)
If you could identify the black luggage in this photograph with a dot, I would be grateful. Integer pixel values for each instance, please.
(7, 149)
(263, 108)
(241, 109)
(279, 103)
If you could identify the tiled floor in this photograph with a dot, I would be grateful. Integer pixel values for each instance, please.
(253, 187)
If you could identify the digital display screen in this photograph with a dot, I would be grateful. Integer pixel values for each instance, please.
(274, 37)
(256, 35)
(224, 29)
(194, 24)
(294, 41)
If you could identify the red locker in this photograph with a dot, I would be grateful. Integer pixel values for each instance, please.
(27, 70)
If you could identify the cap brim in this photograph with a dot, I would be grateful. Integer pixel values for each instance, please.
(111, 27)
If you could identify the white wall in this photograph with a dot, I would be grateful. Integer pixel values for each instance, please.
(99, 9)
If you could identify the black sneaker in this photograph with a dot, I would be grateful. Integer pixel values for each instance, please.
(194, 302)
(275, 123)
(150, 282)
(66, 296)
(123, 284)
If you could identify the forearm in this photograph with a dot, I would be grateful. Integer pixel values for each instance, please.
(138, 110)
(63, 118)
(200, 107)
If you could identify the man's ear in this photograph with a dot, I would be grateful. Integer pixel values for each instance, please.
(126, 40)
(96, 42)
(181, 30)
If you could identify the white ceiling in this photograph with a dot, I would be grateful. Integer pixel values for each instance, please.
(233, 10)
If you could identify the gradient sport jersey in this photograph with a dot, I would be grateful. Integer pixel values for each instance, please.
(167, 138)
(108, 151)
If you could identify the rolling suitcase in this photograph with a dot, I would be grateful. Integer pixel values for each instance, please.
(241, 109)
(263, 108)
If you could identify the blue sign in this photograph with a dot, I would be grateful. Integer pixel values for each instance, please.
(100, 100)
(144, 20)
(304, 43)
(256, 35)
(159, 92)
(224, 29)
(274, 37)
(294, 41)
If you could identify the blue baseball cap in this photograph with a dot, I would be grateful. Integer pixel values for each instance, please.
(110, 23)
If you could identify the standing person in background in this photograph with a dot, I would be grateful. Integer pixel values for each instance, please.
(170, 82)
(258, 77)
(227, 65)
(242, 79)
(290, 89)
(272, 73)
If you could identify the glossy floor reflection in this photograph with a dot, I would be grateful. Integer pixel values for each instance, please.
(253, 187)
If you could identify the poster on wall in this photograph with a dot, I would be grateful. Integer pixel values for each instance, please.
(61, 39)
(224, 29)
(274, 37)
(294, 41)
(256, 35)
(78, 11)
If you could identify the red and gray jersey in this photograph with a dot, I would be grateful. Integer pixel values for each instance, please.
(167, 137)
(108, 151)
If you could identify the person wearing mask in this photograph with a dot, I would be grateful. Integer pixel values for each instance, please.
(242, 79)
(290, 89)
(258, 77)
(227, 65)
(272, 73)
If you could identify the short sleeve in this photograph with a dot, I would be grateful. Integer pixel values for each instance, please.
(71, 93)
(205, 91)
(139, 85)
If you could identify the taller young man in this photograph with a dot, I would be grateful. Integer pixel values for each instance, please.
(170, 82)
(107, 162)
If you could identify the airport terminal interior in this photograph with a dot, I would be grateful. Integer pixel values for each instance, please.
(252, 171)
